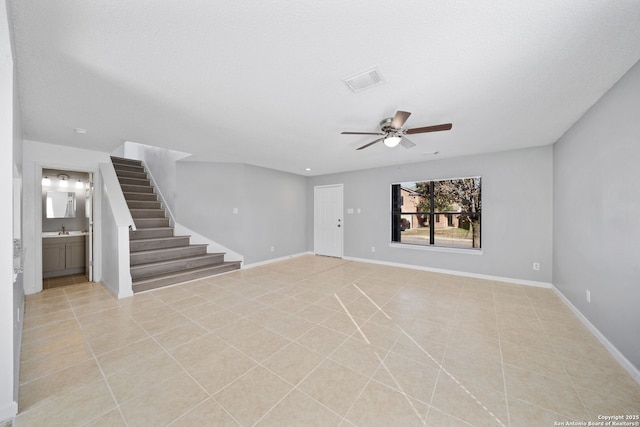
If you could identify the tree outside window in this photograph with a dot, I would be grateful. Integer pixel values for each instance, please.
(443, 213)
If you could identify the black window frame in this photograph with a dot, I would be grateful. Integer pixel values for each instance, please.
(397, 213)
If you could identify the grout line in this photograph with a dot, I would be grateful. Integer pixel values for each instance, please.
(352, 319)
(372, 302)
(482, 405)
(95, 358)
(561, 359)
(400, 388)
(504, 374)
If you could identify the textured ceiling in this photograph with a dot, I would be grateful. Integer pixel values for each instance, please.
(260, 82)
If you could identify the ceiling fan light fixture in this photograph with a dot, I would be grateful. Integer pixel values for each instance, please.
(392, 141)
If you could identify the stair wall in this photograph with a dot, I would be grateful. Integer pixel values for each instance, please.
(158, 256)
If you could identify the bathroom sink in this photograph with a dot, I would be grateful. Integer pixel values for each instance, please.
(46, 234)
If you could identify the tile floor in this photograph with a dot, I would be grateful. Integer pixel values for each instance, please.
(315, 341)
(56, 282)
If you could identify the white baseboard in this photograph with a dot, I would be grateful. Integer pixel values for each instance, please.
(271, 261)
(212, 247)
(626, 364)
(456, 273)
(8, 411)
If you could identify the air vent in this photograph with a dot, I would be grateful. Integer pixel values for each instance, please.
(364, 80)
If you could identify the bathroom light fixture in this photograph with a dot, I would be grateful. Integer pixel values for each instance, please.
(392, 141)
(79, 185)
(63, 180)
(46, 181)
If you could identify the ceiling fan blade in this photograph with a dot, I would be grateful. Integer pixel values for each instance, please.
(436, 128)
(371, 143)
(399, 119)
(406, 143)
(361, 133)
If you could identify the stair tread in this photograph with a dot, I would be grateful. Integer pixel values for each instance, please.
(159, 228)
(166, 261)
(151, 239)
(151, 251)
(182, 272)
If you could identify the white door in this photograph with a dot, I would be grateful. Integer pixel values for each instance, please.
(89, 241)
(328, 224)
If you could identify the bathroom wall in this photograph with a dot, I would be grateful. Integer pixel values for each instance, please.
(80, 222)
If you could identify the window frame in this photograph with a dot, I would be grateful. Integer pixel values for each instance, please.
(397, 215)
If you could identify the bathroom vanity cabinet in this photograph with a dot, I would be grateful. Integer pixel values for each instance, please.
(63, 255)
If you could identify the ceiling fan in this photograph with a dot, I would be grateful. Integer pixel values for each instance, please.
(393, 134)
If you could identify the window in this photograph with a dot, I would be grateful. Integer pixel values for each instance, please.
(442, 213)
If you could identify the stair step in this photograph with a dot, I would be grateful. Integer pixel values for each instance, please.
(136, 245)
(127, 168)
(124, 180)
(151, 222)
(167, 279)
(157, 257)
(151, 233)
(143, 204)
(122, 160)
(127, 188)
(166, 254)
(147, 213)
(151, 197)
(175, 265)
(131, 174)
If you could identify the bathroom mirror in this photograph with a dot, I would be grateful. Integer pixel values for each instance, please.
(61, 204)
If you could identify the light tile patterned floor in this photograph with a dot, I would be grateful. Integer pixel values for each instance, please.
(315, 341)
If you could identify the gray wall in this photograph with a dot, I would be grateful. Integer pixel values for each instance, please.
(516, 223)
(272, 208)
(596, 242)
(161, 164)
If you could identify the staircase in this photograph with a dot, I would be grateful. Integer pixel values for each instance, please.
(159, 258)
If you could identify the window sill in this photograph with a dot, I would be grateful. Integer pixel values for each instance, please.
(437, 249)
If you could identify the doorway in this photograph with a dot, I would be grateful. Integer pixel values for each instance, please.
(67, 227)
(328, 224)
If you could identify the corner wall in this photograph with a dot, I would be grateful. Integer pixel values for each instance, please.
(245, 208)
(596, 241)
(10, 299)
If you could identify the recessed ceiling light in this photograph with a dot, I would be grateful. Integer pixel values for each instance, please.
(308, 169)
(80, 130)
(364, 80)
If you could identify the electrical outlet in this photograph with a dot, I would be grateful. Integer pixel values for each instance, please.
(273, 248)
(373, 248)
(536, 266)
(588, 296)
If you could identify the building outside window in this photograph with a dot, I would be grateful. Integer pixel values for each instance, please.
(441, 213)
